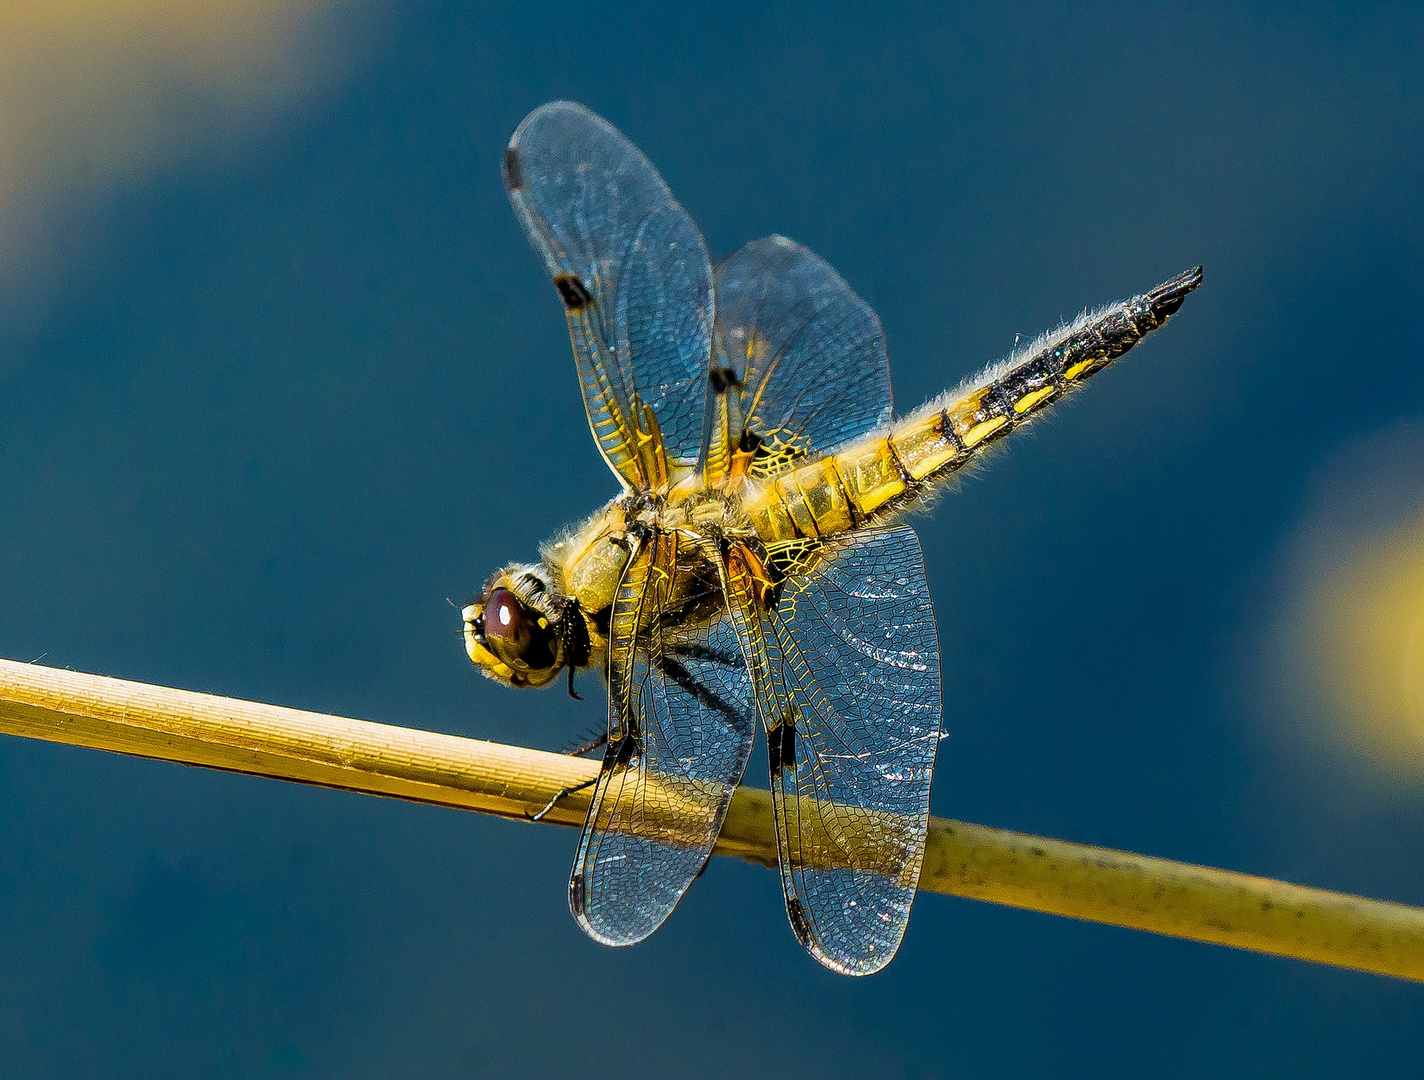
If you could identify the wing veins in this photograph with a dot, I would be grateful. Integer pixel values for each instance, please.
(851, 799)
(762, 382)
(652, 827)
(597, 210)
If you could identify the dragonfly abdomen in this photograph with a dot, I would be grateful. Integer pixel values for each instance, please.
(885, 472)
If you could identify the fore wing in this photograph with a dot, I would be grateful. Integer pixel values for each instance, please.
(846, 676)
(680, 727)
(635, 279)
(799, 362)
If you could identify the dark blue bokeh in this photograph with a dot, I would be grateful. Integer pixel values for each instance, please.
(288, 403)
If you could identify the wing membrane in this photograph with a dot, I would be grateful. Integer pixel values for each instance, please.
(635, 279)
(680, 733)
(846, 672)
(801, 356)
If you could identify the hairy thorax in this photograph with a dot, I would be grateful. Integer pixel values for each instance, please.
(587, 561)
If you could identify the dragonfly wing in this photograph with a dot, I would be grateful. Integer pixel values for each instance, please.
(633, 273)
(847, 682)
(680, 728)
(799, 358)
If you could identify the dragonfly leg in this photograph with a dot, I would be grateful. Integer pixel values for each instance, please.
(557, 796)
(596, 743)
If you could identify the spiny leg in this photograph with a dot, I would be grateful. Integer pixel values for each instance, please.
(596, 743)
(590, 743)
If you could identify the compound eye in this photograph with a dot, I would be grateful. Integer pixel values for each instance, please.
(505, 620)
(512, 639)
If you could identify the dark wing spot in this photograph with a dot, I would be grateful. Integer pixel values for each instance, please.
(513, 175)
(799, 926)
(723, 379)
(750, 441)
(572, 292)
(781, 749)
(576, 894)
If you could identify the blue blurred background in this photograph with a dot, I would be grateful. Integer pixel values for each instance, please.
(279, 374)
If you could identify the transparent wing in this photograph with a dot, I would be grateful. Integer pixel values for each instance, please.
(847, 679)
(799, 360)
(680, 732)
(635, 279)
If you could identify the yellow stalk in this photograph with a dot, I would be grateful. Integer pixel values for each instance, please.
(974, 861)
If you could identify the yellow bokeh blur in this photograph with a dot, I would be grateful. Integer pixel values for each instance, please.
(1366, 638)
(96, 91)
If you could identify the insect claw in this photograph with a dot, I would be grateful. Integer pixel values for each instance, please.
(547, 807)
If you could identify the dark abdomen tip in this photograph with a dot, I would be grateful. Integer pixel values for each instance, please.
(1167, 297)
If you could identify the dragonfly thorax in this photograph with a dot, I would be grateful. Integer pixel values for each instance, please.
(533, 619)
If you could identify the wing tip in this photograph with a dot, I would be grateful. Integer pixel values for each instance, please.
(868, 961)
(876, 954)
(857, 969)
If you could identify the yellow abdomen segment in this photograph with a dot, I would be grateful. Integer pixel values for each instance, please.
(874, 477)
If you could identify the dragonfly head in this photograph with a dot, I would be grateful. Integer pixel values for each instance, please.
(513, 630)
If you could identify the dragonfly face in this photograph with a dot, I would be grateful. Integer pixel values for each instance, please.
(755, 569)
(515, 630)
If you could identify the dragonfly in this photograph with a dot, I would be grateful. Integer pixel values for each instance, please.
(755, 570)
